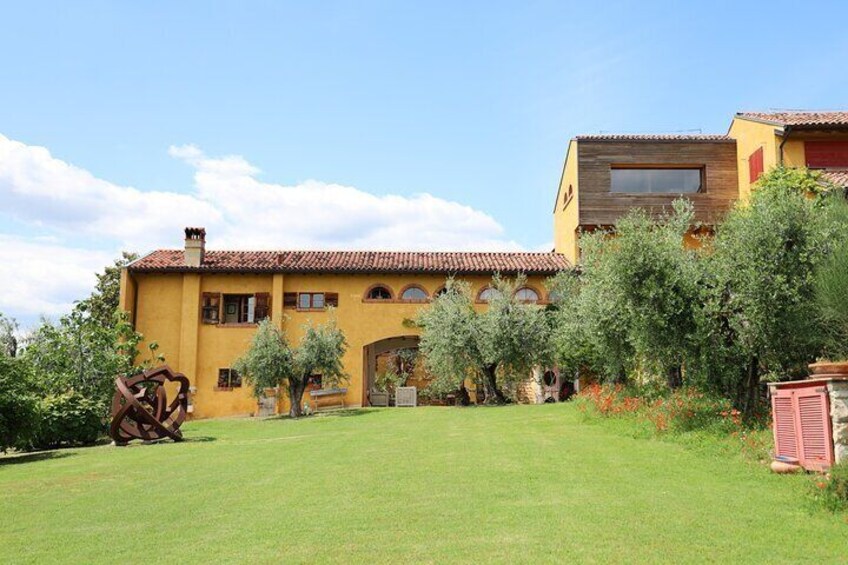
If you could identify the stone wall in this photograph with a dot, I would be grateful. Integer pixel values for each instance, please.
(838, 392)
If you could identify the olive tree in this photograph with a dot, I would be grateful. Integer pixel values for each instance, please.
(634, 301)
(759, 314)
(497, 346)
(272, 362)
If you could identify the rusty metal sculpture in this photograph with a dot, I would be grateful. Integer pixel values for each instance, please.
(140, 408)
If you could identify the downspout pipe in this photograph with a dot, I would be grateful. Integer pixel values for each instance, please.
(787, 131)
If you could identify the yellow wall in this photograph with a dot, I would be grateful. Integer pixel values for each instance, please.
(168, 307)
(750, 136)
(566, 217)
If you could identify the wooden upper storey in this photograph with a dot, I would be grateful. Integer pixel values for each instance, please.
(598, 156)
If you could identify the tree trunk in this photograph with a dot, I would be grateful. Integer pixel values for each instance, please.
(675, 377)
(296, 390)
(493, 393)
(752, 387)
(464, 399)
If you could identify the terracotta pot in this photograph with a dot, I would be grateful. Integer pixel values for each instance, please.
(829, 368)
(783, 468)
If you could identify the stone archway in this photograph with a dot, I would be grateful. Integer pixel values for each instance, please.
(372, 351)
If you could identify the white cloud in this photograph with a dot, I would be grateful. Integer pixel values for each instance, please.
(45, 278)
(314, 214)
(58, 200)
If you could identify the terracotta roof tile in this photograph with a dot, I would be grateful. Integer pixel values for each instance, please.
(802, 119)
(837, 177)
(171, 260)
(699, 137)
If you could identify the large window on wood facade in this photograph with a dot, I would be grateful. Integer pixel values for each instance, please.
(647, 180)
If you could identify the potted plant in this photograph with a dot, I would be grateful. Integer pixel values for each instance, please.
(831, 298)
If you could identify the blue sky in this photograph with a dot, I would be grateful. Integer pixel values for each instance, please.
(333, 118)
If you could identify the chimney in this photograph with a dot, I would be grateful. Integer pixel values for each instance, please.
(195, 246)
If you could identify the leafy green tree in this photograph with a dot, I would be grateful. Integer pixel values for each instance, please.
(655, 281)
(80, 353)
(634, 302)
(571, 335)
(18, 404)
(800, 180)
(103, 302)
(271, 362)
(759, 318)
(831, 288)
(8, 339)
(496, 347)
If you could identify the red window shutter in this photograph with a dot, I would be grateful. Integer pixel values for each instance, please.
(802, 427)
(755, 165)
(290, 300)
(331, 299)
(813, 412)
(785, 440)
(262, 309)
(823, 154)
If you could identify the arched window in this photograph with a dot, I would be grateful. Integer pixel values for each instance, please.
(378, 292)
(527, 294)
(487, 294)
(440, 291)
(414, 293)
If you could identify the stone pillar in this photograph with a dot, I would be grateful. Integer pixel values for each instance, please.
(838, 392)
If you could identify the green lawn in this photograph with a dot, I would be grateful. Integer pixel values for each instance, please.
(525, 483)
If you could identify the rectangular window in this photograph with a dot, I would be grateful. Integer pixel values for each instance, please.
(755, 165)
(310, 301)
(235, 308)
(656, 181)
(228, 378)
(239, 308)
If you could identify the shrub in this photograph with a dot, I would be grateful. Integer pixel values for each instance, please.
(832, 490)
(831, 290)
(18, 408)
(68, 419)
(683, 410)
(688, 414)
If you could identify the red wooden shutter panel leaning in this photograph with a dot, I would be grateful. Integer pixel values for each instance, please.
(802, 427)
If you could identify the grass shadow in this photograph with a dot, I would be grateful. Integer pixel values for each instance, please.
(21, 458)
(338, 413)
(199, 439)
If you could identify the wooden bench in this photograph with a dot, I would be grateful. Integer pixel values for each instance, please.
(335, 396)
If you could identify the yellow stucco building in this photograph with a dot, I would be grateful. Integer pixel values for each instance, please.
(202, 306)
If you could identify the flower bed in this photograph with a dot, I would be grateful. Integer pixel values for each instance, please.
(686, 411)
